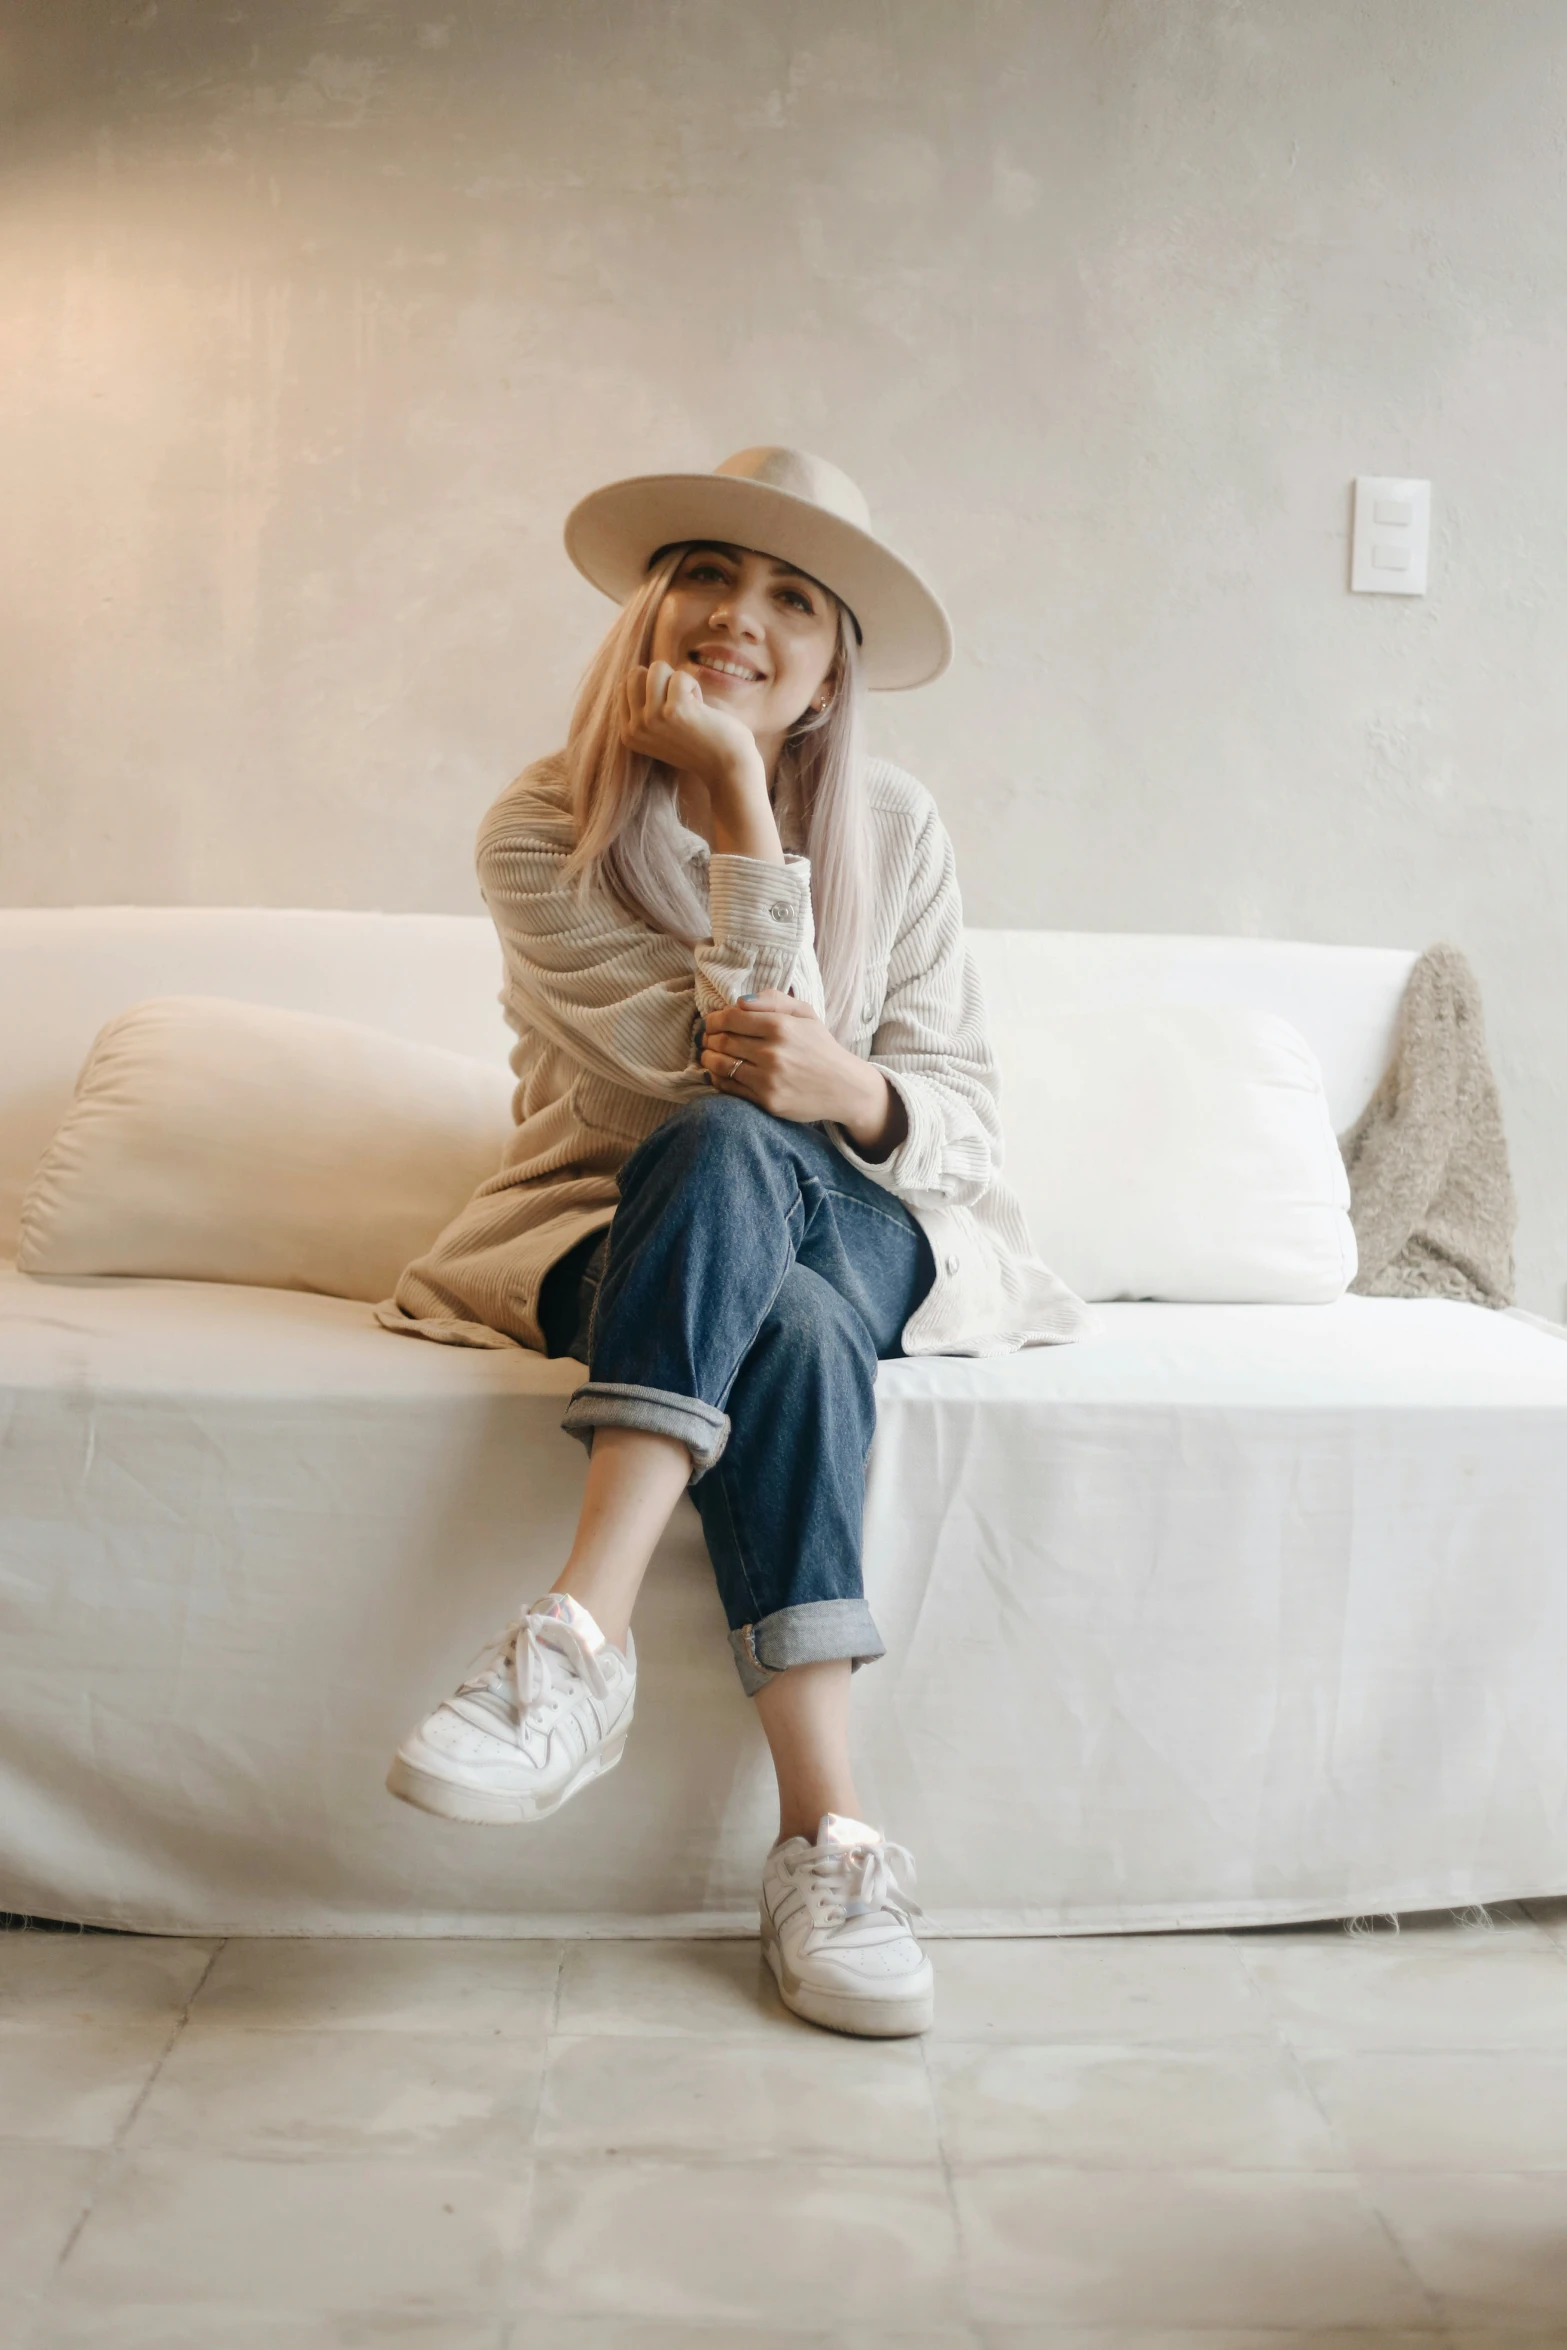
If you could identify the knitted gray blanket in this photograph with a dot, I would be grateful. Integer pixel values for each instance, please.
(1431, 1194)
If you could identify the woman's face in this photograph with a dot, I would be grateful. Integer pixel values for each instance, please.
(758, 637)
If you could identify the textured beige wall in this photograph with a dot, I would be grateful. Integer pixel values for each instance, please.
(315, 315)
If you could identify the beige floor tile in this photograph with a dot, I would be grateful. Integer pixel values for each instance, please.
(1501, 2110)
(76, 2085)
(1239, 2105)
(793, 2093)
(1549, 2337)
(758, 2244)
(695, 1988)
(301, 2236)
(1492, 2247)
(1535, 2337)
(1116, 1989)
(96, 1978)
(43, 2192)
(633, 2333)
(1485, 1991)
(409, 1986)
(1054, 2337)
(222, 2326)
(436, 2097)
(1152, 2248)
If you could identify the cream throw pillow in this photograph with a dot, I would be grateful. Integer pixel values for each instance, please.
(219, 1141)
(1176, 1151)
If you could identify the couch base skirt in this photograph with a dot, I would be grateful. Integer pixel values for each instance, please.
(954, 1925)
(1229, 1616)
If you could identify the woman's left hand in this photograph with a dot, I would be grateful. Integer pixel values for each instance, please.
(791, 1063)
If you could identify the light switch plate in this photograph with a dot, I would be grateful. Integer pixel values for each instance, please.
(1392, 536)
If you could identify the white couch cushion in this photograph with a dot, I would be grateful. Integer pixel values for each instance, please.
(1160, 1151)
(65, 970)
(1344, 1000)
(219, 1141)
(1175, 1151)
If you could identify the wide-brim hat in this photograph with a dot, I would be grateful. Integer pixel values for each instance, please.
(784, 503)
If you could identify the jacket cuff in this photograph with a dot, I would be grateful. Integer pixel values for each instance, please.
(915, 1164)
(755, 903)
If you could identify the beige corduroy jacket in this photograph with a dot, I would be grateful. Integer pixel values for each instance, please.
(607, 1011)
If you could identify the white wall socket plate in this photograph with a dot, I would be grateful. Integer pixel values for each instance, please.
(1392, 536)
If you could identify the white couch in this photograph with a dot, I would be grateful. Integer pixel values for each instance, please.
(1230, 1614)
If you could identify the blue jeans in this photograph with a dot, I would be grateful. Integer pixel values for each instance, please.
(741, 1299)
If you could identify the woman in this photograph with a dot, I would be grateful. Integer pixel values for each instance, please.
(744, 1172)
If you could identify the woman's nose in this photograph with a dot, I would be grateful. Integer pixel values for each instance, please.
(737, 613)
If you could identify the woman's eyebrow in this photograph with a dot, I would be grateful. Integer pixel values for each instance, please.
(734, 554)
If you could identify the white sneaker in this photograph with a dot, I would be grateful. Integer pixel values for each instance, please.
(545, 1709)
(836, 1932)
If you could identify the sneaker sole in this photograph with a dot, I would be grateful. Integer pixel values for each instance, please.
(866, 2018)
(488, 1807)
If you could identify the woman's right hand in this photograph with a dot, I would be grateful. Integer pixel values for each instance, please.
(664, 716)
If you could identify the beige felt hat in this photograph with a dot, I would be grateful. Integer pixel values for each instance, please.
(785, 503)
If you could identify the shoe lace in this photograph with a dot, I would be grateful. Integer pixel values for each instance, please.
(847, 1880)
(537, 1660)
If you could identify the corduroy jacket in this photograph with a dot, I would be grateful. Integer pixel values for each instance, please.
(607, 1013)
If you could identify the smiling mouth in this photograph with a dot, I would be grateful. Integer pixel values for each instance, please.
(718, 665)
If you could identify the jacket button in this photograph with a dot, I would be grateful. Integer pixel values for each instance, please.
(952, 1264)
(780, 912)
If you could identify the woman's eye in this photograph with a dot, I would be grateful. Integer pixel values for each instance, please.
(800, 603)
(704, 572)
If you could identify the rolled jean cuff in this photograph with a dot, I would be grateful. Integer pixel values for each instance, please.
(611, 1403)
(815, 1634)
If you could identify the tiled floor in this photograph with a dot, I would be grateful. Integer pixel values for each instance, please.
(1195, 2142)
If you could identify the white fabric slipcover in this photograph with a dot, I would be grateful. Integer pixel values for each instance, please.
(1229, 1613)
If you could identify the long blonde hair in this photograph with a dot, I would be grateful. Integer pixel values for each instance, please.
(628, 826)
